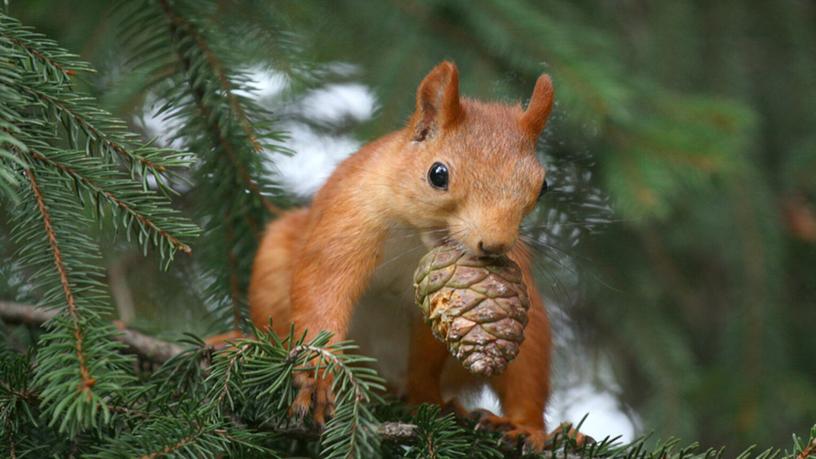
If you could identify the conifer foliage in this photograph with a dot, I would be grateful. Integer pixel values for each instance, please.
(73, 175)
(189, 68)
(66, 162)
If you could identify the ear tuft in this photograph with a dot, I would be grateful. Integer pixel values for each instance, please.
(539, 108)
(437, 102)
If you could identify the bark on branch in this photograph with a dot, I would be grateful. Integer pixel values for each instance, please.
(152, 349)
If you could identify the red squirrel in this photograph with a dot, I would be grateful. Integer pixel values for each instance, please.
(460, 169)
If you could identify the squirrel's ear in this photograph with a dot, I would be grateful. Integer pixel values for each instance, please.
(538, 110)
(437, 104)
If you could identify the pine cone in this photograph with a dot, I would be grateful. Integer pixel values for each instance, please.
(476, 306)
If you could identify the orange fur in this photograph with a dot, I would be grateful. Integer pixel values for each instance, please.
(315, 264)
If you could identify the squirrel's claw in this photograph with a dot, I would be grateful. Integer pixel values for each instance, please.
(566, 430)
(314, 394)
(324, 403)
(534, 439)
(303, 400)
(488, 421)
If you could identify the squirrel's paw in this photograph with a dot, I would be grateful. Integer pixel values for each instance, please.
(485, 419)
(567, 431)
(536, 440)
(533, 439)
(315, 394)
(223, 340)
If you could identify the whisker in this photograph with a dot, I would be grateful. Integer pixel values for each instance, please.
(412, 233)
(552, 257)
(400, 255)
(557, 287)
(578, 259)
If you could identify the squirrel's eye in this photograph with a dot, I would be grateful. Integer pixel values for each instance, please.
(438, 176)
(544, 187)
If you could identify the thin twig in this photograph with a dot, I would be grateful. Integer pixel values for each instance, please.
(809, 450)
(174, 447)
(88, 381)
(398, 432)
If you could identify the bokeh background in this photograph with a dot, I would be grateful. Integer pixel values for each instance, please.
(677, 249)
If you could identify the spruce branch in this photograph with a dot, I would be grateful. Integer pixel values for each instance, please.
(43, 56)
(77, 114)
(79, 368)
(808, 451)
(78, 364)
(238, 375)
(39, 79)
(215, 63)
(351, 433)
(268, 363)
(179, 27)
(200, 89)
(88, 380)
(9, 132)
(127, 204)
(186, 434)
(9, 182)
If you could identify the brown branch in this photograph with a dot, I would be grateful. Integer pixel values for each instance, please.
(119, 203)
(87, 380)
(152, 349)
(120, 290)
(399, 432)
(157, 350)
(16, 313)
(808, 451)
(169, 449)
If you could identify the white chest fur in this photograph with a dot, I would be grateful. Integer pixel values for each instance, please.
(382, 318)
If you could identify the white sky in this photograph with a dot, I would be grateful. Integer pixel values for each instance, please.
(316, 153)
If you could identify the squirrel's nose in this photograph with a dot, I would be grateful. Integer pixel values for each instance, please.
(493, 248)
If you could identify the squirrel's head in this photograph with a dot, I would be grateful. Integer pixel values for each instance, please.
(470, 168)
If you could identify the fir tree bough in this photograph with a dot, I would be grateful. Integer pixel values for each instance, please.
(65, 161)
(67, 167)
(184, 55)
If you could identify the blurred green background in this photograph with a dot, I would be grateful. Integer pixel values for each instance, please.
(678, 247)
